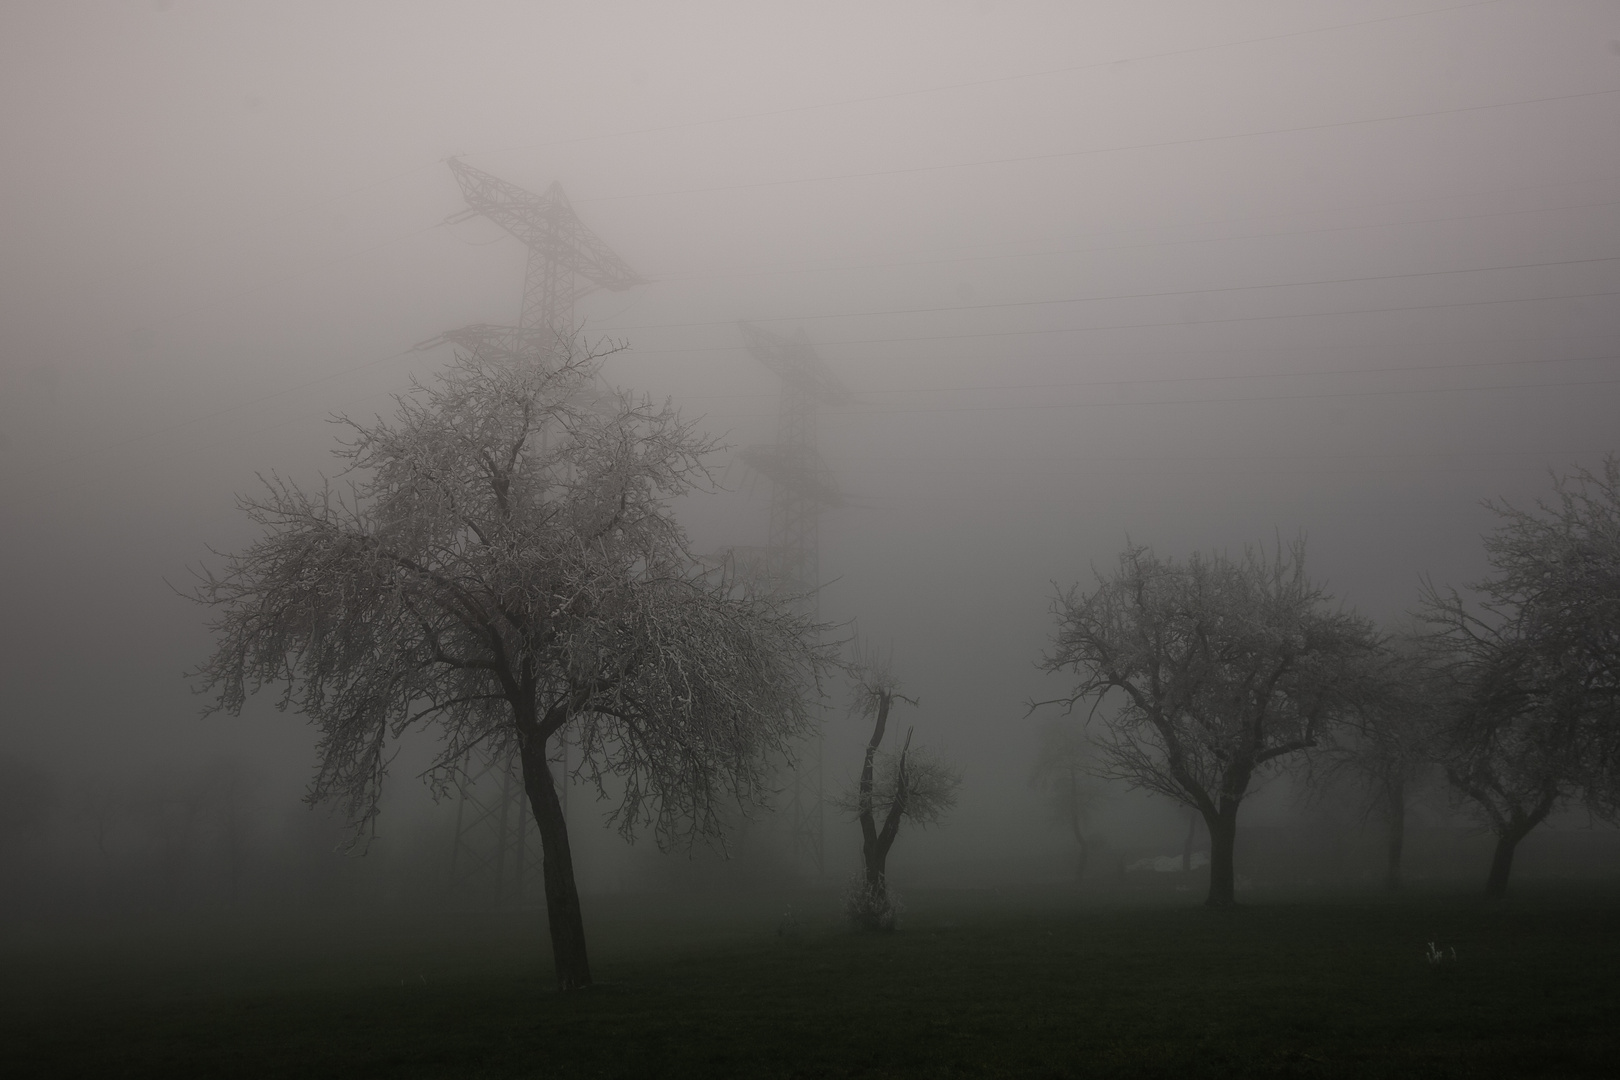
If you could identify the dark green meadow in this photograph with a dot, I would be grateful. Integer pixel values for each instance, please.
(1037, 984)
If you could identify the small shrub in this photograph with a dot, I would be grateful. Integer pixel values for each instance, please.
(1437, 956)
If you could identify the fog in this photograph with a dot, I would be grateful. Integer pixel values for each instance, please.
(1192, 275)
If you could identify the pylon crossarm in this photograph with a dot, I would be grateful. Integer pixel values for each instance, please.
(546, 223)
(797, 363)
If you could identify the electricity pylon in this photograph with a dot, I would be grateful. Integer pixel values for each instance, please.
(566, 263)
(496, 859)
(496, 856)
(802, 487)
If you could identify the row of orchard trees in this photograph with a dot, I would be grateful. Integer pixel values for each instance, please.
(1202, 675)
(503, 565)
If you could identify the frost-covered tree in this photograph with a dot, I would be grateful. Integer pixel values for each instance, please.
(1535, 655)
(1216, 670)
(914, 784)
(503, 565)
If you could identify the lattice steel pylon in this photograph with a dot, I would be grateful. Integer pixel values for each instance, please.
(566, 262)
(496, 858)
(802, 487)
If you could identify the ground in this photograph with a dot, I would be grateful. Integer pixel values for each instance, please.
(1041, 983)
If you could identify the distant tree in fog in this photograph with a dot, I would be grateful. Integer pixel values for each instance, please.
(29, 800)
(28, 797)
(506, 566)
(197, 822)
(913, 784)
(1215, 669)
(1534, 652)
(1387, 742)
(1064, 763)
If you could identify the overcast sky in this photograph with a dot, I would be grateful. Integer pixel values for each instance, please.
(1194, 274)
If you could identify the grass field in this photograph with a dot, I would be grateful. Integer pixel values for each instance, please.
(1036, 984)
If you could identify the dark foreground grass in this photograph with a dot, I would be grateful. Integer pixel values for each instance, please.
(1009, 987)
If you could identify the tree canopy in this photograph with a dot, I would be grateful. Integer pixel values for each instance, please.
(1534, 653)
(1205, 672)
(504, 565)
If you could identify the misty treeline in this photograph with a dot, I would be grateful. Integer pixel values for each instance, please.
(1200, 677)
(214, 835)
(499, 562)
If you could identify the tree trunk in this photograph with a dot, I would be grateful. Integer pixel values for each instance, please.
(1507, 842)
(1396, 837)
(1187, 844)
(1502, 863)
(877, 880)
(871, 857)
(875, 854)
(1077, 827)
(1222, 843)
(875, 843)
(563, 912)
(876, 867)
(1508, 835)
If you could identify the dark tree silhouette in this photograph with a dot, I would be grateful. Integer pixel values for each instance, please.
(1534, 653)
(1387, 744)
(506, 567)
(913, 784)
(1063, 770)
(1214, 669)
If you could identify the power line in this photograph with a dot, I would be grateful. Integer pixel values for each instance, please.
(371, 185)
(754, 272)
(1161, 294)
(978, 335)
(337, 260)
(869, 99)
(1044, 405)
(305, 384)
(1250, 399)
(917, 169)
(945, 167)
(1227, 377)
(1473, 452)
(373, 363)
(1060, 155)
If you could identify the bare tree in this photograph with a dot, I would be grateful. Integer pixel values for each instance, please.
(1064, 764)
(1387, 743)
(1515, 768)
(1220, 668)
(913, 784)
(1556, 592)
(504, 565)
(1535, 655)
(28, 797)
